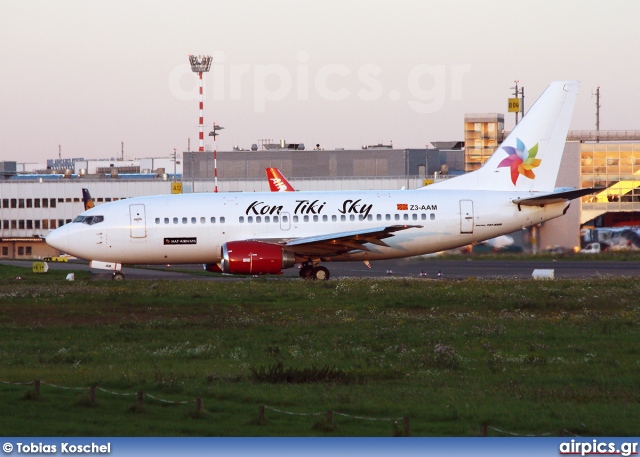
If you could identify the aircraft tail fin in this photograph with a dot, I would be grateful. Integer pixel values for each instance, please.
(277, 182)
(529, 158)
(87, 200)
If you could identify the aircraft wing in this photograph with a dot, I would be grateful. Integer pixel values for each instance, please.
(342, 242)
(556, 197)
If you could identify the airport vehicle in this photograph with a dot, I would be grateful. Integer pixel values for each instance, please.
(591, 248)
(264, 233)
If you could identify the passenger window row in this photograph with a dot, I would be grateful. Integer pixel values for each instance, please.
(334, 218)
(186, 220)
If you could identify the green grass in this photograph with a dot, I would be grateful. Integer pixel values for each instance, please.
(521, 355)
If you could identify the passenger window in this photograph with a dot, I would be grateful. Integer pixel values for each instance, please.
(295, 218)
(406, 217)
(397, 217)
(184, 220)
(193, 220)
(267, 219)
(433, 216)
(275, 218)
(387, 217)
(361, 217)
(166, 220)
(369, 217)
(334, 218)
(424, 217)
(315, 218)
(343, 218)
(222, 220)
(157, 220)
(305, 218)
(415, 217)
(241, 219)
(175, 220)
(352, 218)
(325, 218)
(258, 219)
(250, 219)
(213, 220)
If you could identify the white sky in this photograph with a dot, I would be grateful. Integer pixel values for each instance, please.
(87, 75)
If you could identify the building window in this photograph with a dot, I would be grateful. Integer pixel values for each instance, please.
(60, 222)
(5, 251)
(52, 203)
(21, 203)
(37, 224)
(52, 224)
(14, 224)
(28, 250)
(14, 203)
(20, 250)
(45, 224)
(29, 224)
(5, 224)
(68, 200)
(45, 203)
(36, 203)
(29, 203)
(5, 202)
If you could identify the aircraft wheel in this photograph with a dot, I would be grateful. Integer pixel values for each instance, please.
(321, 273)
(306, 272)
(118, 276)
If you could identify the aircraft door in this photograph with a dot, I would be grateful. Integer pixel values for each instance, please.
(138, 221)
(466, 216)
(285, 221)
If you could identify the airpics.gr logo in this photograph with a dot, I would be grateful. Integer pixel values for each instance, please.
(521, 161)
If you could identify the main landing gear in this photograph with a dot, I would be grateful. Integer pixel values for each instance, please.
(117, 276)
(311, 271)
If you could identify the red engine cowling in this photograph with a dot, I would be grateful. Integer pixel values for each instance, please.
(255, 258)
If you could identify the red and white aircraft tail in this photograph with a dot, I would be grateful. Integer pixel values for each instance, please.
(277, 182)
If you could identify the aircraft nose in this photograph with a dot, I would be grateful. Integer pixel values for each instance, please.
(59, 239)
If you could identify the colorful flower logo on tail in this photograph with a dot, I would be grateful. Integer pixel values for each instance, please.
(521, 161)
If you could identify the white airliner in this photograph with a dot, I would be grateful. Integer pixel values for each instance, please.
(264, 233)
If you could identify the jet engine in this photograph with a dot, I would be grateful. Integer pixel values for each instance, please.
(255, 258)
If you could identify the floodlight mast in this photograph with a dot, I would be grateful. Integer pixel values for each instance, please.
(214, 133)
(200, 64)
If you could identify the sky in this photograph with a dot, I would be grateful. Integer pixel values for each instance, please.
(80, 78)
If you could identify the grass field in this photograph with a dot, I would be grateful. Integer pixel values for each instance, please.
(529, 357)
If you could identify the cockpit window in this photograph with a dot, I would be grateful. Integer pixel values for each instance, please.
(89, 220)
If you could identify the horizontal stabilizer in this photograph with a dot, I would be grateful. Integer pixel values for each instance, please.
(556, 197)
